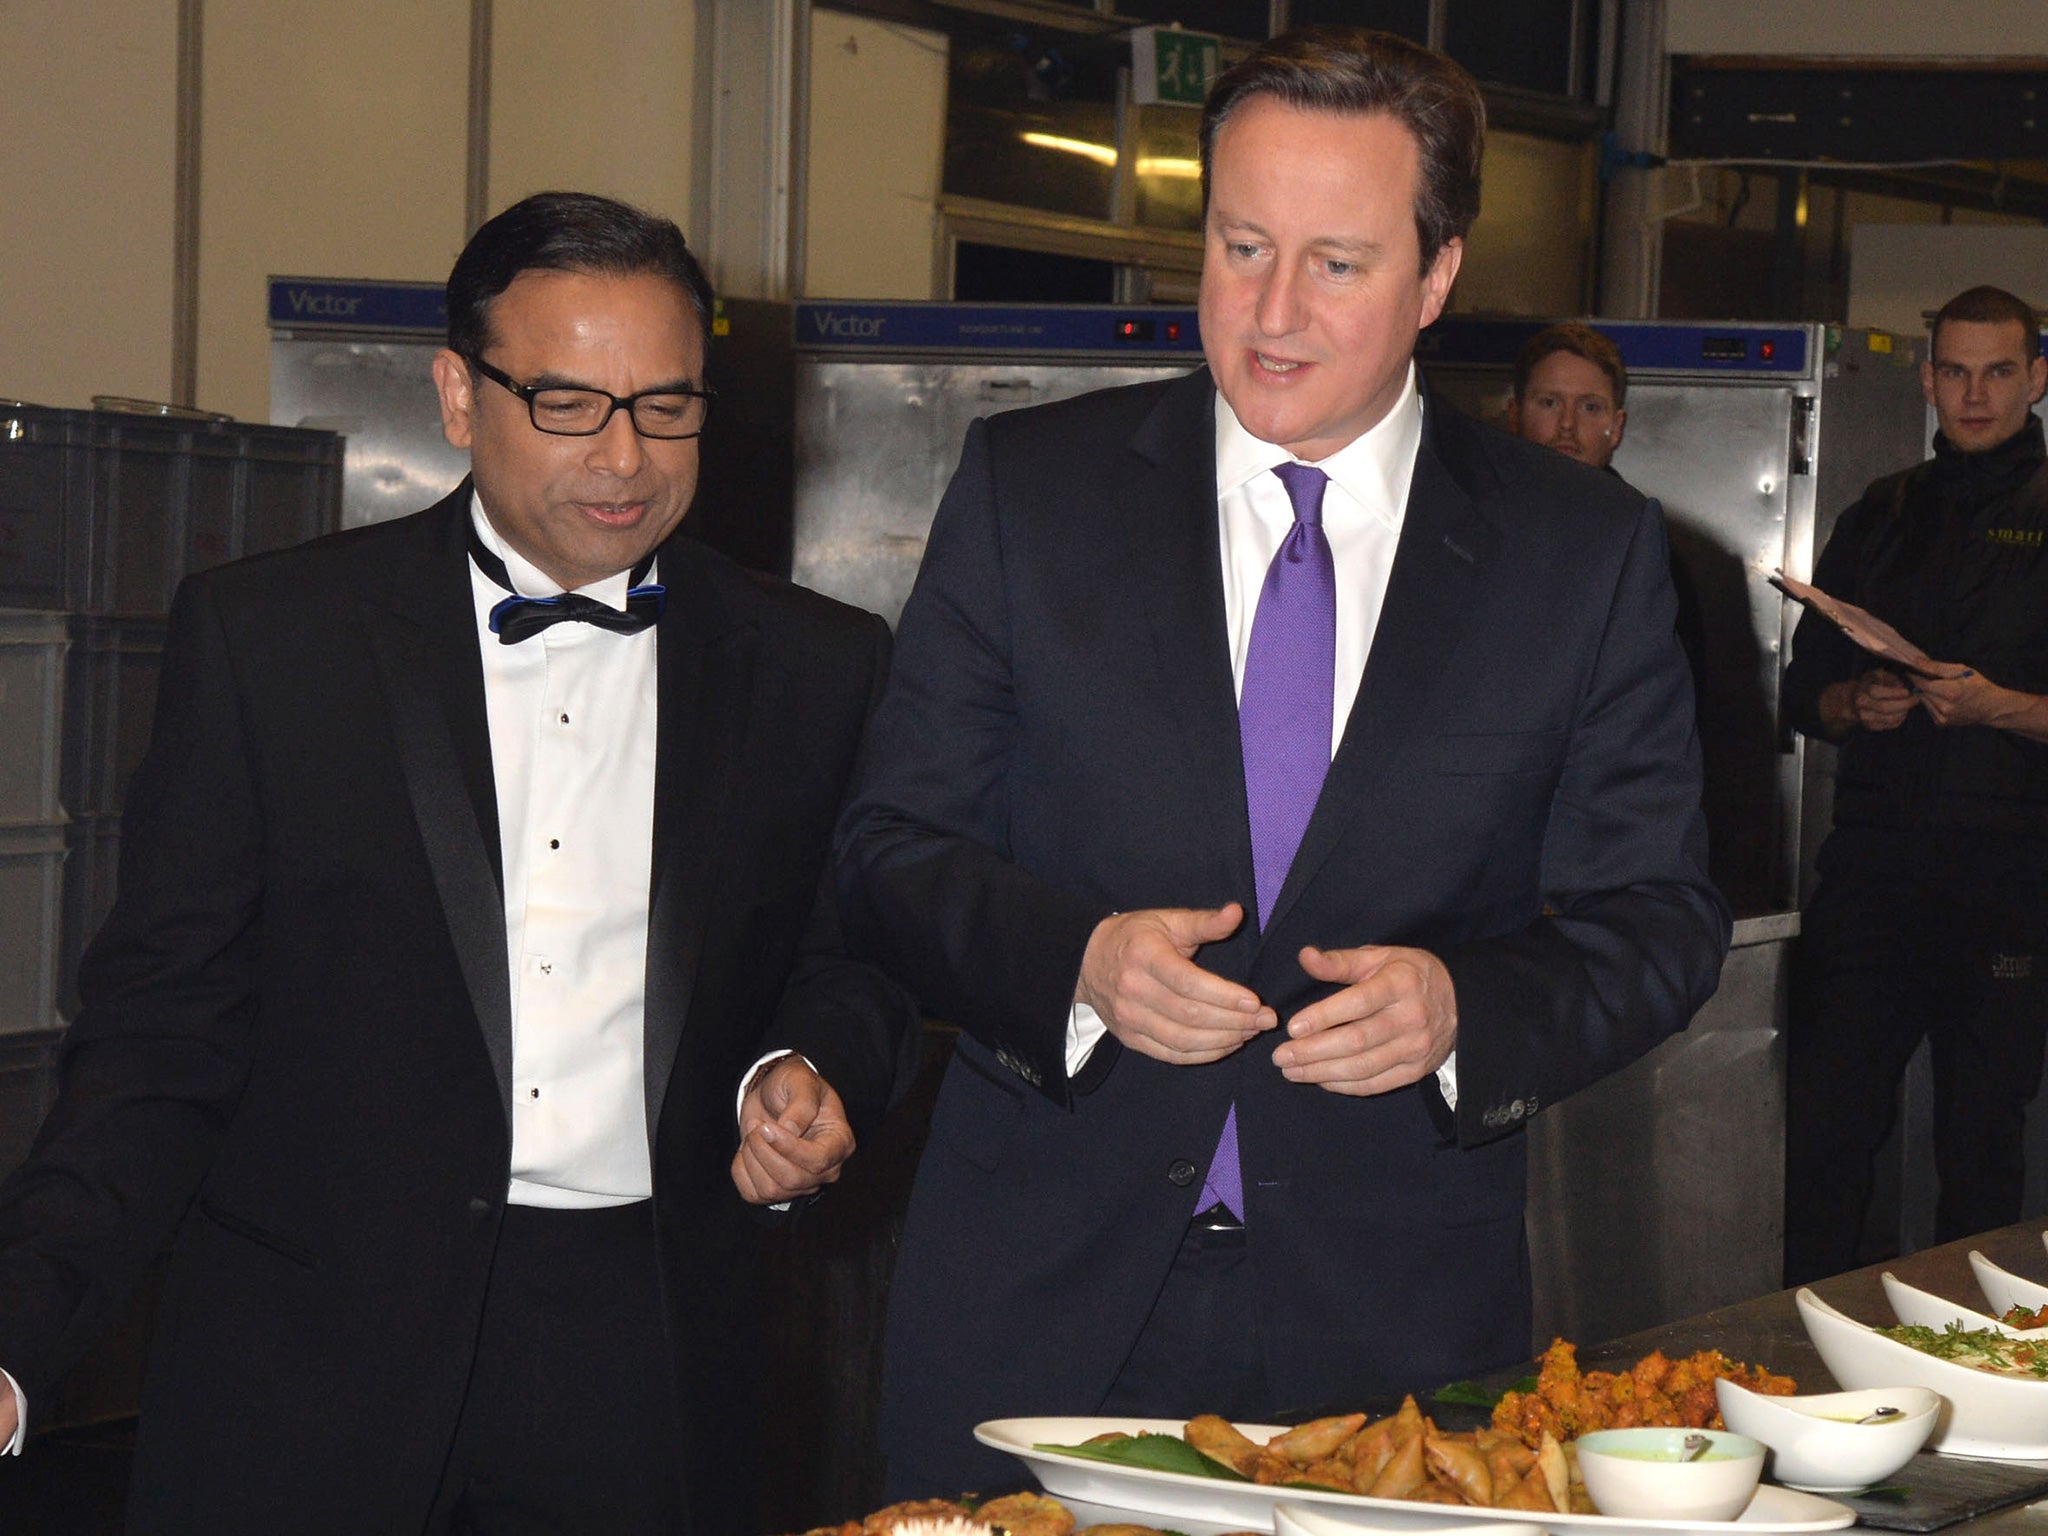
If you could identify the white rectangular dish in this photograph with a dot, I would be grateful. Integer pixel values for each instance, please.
(1164, 1497)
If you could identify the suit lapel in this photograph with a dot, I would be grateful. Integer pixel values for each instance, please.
(705, 661)
(1165, 491)
(423, 636)
(1432, 595)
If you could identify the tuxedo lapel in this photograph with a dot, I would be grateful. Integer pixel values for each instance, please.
(705, 663)
(1432, 596)
(423, 635)
(1164, 535)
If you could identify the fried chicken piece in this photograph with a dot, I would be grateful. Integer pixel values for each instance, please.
(1219, 1440)
(1026, 1514)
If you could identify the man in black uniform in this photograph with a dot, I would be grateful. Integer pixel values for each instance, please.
(1571, 394)
(1931, 917)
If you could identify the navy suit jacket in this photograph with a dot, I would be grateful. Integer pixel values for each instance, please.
(1517, 790)
(293, 1061)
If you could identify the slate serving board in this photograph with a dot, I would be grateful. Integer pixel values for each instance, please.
(1932, 1492)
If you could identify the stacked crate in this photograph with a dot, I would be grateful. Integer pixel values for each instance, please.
(101, 514)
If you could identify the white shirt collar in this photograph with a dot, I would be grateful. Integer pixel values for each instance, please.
(528, 579)
(1374, 468)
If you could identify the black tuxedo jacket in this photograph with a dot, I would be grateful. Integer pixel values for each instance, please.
(293, 1056)
(1517, 790)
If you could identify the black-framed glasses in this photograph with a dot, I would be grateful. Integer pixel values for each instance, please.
(567, 411)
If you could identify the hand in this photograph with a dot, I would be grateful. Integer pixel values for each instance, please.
(1394, 1022)
(1877, 701)
(1139, 974)
(1960, 697)
(794, 1136)
(8, 1421)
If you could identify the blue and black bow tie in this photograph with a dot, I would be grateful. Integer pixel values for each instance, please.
(517, 618)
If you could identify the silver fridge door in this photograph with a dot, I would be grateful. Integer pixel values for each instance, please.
(876, 443)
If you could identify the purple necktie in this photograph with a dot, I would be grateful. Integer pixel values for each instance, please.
(1283, 721)
(1290, 682)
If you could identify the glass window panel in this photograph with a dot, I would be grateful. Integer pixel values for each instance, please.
(1410, 18)
(1030, 120)
(1168, 167)
(1512, 42)
(1232, 18)
(993, 274)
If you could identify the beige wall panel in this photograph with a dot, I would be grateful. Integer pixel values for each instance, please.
(1877, 28)
(88, 112)
(1527, 253)
(877, 148)
(1899, 272)
(335, 145)
(593, 97)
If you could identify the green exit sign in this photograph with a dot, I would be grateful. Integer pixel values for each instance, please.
(1173, 68)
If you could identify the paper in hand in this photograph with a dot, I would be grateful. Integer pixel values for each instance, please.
(1861, 626)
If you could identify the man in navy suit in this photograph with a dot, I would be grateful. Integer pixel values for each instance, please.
(1289, 786)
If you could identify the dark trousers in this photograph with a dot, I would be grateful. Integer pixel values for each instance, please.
(1942, 937)
(570, 1422)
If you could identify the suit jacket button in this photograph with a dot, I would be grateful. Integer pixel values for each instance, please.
(1181, 1173)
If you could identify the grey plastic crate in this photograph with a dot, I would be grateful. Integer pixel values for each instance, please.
(110, 706)
(32, 647)
(104, 512)
(31, 903)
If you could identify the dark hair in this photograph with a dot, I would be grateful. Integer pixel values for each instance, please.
(1352, 70)
(1581, 341)
(1985, 305)
(565, 232)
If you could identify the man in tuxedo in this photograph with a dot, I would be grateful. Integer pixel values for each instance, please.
(472, 881)
(1278, 702)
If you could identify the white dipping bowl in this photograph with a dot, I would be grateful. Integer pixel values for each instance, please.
(2002, 1417)
(1637, 1474)
(2003, 1290)
(1816, 1442)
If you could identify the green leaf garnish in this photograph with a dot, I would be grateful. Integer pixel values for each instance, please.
(1153, 1453)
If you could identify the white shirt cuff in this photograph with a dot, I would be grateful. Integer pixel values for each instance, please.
(1447, 1080)
(1085, 1030)
(13, 1446)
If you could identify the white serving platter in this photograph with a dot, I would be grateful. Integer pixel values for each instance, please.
(1177, 1498)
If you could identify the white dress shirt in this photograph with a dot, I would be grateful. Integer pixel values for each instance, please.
(572, 716)
(1364, 506)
